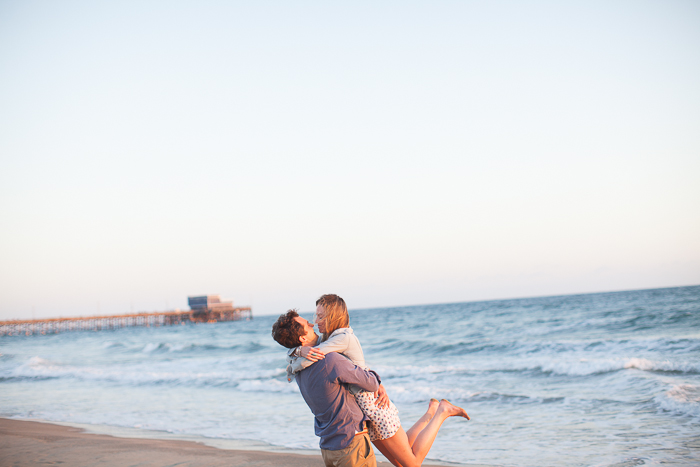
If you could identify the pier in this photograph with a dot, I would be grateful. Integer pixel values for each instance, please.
(212, 311)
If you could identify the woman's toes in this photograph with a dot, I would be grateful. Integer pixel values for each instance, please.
(452, 410)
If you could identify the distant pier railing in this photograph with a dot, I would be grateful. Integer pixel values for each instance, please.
(98, 323)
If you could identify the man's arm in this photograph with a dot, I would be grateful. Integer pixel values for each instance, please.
(296, 361)
(347, 372)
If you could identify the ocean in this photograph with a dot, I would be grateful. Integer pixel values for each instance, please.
(608, 379)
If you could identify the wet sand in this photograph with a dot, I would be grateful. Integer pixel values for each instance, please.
(25, 443)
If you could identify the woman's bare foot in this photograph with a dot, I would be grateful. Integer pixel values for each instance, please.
(433, 406)
(451, 410)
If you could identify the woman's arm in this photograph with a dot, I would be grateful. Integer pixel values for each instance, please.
(296, 364)
(335, 343)
(310, 355)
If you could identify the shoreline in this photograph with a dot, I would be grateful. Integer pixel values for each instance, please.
(25, 443)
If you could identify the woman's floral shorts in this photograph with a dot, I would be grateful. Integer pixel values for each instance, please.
(384, 423)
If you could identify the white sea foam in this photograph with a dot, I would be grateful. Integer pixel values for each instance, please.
(38, 362)
(178, 347)
(159, 373)
(269, 385)
(169, 347)
(584, 367)
(150, 347)
(555, 364)
(111, 344)
(387, 371)
(417, 393)
(683, 399)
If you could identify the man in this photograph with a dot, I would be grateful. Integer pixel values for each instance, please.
(338, 420)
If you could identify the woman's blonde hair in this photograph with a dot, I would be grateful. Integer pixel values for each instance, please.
(335, 313)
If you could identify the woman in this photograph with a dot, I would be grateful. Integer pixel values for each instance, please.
(401, 448)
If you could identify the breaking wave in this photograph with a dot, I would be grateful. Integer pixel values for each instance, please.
(193, 374)
(681, 399)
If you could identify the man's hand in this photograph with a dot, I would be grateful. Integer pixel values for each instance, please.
(312, 353)
(382, 399)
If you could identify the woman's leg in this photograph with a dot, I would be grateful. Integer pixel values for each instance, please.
(422, 422)
(405, 455)
(410, 434)
(379, 444)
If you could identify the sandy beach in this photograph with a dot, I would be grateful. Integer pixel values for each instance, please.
(28, 443)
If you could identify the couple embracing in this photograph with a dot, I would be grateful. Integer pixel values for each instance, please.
(349, 403)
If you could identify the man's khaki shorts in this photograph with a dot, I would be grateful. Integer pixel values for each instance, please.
(358, 454)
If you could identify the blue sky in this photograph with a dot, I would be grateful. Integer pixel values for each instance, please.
(394, 153)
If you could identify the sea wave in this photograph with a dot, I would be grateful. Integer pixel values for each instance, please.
(585, 367)
(236, 372)
(268, 386)
(111, 345)
(548, 365)
(191, 347)
(181, 347)
(402, 394)
(191, 373)
(512, 348)
(682, 399)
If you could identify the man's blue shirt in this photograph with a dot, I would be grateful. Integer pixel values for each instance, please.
(337, 416)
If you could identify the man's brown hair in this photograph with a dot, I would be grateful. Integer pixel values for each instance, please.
(287, 331)
(335, 313)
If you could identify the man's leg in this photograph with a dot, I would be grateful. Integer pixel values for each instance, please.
(358, 454)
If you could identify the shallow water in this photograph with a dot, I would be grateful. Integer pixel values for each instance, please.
(588, 380)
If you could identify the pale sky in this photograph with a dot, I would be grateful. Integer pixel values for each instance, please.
(394, 153)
